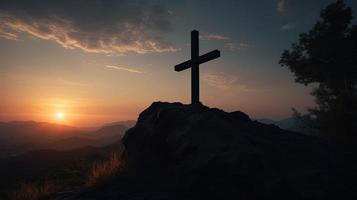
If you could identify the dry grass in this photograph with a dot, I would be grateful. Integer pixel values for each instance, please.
(31, 191)
(104, 170)
(99, 171)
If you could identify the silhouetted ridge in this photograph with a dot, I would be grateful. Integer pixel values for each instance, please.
(178, 151)
(206, 152)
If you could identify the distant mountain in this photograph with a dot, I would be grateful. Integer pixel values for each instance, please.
(65, 159)
(71, 143)
(27, 131)
(21, 136)
(292, 124)
(266, 121)
(127, 124)
(110, 131)
(287, 123)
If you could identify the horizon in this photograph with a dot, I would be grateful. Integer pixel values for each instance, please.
(71, 64)
(179, 99)
(113, 122)
(98, 126)
(69, 125)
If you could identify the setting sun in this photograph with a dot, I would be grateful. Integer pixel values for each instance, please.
(125, 99)
(59, 115)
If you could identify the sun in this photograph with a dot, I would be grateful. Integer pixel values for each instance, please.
(59, 115)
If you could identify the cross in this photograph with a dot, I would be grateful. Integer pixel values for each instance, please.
(194, 63)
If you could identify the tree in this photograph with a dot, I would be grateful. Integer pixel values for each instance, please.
(327, 57)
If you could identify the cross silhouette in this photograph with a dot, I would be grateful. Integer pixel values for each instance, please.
(194, 63)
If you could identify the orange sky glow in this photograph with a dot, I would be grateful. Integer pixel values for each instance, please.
(53, 61)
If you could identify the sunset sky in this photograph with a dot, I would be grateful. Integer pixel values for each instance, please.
(93, 62)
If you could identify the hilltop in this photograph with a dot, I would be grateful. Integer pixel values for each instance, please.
(178, 151)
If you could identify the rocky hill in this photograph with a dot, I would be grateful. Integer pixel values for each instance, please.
(178, 151)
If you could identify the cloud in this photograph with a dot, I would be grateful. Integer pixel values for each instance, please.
(9, 36)
(112, 27)
(281, 6)
(123, 69)
(219, 80)
(288, 26)
(213, 37)
(229, 44)
(236, 46)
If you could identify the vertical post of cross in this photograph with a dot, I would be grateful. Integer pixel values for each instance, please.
(195, 78)
(194, 63)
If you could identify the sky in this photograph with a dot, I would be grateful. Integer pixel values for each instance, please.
(94, 62)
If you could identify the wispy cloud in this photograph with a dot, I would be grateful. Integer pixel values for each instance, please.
(281, 6)
(126, 26)
(9, 36)
(236, 46)
(288, 26)
(227, 42)
(127, 69)
(209, 36)
(219, 80)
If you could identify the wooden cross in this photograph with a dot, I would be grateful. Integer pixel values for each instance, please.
(194, 63)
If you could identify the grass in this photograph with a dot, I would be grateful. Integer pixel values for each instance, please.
(85, 173)
(104, 170)
(31, 191)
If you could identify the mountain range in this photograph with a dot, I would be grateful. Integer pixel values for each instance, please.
(21, 136)
(286, 123)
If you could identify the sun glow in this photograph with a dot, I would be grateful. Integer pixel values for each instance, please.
(59, 115)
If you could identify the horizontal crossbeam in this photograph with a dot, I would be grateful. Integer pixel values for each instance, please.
(202, 59)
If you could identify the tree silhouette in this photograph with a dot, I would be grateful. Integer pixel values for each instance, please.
(327, 56)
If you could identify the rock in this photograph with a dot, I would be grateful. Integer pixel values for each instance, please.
(219, 155)
(181, 151)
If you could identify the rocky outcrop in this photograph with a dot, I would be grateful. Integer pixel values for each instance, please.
(178, 151)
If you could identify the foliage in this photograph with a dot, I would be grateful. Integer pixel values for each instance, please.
(326, 55)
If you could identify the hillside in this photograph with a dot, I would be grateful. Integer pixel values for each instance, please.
(67, 169)
(178, 151)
